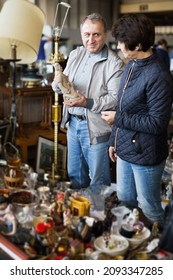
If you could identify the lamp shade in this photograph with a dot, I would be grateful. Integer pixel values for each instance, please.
(21, 24)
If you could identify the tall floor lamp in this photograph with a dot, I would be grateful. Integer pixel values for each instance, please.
(21, 25)
(57, 57)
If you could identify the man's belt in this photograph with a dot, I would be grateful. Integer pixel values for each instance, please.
(79, 117)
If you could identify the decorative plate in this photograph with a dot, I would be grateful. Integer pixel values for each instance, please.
(117, 245)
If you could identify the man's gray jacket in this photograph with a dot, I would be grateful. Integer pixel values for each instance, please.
(101, 91)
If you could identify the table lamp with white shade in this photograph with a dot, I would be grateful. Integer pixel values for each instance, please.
(21, 25)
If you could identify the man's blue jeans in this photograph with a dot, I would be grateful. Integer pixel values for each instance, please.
(140, 186)
(88, 165)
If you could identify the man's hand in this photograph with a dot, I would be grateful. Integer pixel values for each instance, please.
(108, 116)
(112, 153)
(81, 102)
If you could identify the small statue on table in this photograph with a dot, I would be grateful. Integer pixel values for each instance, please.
(56, 212)
(67, 218)
(169, 191)
(8, 220)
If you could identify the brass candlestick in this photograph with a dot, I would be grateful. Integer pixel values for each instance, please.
(57, 57)
(56, 108)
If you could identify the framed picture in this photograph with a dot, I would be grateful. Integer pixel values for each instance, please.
(9, 251)
(45, 155)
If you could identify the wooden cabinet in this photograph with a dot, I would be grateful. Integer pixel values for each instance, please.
(33, 105)
(34, 116)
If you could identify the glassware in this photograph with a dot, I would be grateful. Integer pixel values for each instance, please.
(120, 212)
(43, 207)
(12, 155)
(25, 217)
(31, 179)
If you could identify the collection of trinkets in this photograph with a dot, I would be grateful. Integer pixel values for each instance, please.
(57, 222)
(60, 226)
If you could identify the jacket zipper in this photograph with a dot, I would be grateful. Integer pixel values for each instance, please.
(124, 88)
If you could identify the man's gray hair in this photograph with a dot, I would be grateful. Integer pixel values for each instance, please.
(95, 17)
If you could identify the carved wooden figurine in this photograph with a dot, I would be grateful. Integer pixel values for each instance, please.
(63, 83)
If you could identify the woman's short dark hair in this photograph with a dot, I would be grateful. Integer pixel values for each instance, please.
(134, 29)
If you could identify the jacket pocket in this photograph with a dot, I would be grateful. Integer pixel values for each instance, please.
(136, 143)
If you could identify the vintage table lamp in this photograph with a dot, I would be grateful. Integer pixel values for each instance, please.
(21, 25)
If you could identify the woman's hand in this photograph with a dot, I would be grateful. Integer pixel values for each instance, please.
(112, 153)
(108, 116)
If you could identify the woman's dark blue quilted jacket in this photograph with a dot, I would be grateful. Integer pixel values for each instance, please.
(143, 113)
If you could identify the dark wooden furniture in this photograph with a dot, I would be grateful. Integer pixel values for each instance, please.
(34, 116)
(33, 105)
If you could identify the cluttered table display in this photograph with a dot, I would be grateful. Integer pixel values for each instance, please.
(43, 218)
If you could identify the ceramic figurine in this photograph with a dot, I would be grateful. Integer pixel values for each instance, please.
(169, 191)
(133, 217)
(155, 229)
(83, 231)
(67, 219)
(9, 221)
(56, 212)
(106, 238)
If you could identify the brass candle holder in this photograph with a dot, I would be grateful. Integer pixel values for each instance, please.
(57, 57)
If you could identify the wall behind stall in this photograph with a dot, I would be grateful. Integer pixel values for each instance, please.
(79, 9)
(110, 9)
